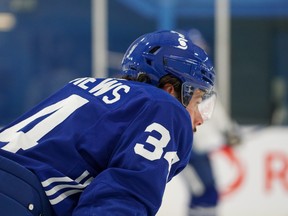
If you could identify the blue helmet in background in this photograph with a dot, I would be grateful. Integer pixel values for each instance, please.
(169, 52)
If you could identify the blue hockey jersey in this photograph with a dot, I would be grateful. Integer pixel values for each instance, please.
(102, 146)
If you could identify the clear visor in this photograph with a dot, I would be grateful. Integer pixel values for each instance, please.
(206, 107)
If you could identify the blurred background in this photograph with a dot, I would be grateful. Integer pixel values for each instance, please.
(46, 43)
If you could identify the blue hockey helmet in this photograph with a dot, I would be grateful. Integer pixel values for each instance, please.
(169, 52)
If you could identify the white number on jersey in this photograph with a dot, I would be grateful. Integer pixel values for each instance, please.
(55, 115)
(159, 145)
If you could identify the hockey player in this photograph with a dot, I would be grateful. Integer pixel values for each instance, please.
(109, 146)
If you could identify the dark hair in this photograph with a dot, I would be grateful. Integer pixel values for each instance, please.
(173, 80)
(142, 77)
(169, 78)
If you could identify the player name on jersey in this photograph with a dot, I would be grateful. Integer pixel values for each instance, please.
(110, 85)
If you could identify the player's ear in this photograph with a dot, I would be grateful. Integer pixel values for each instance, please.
(170, 89)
